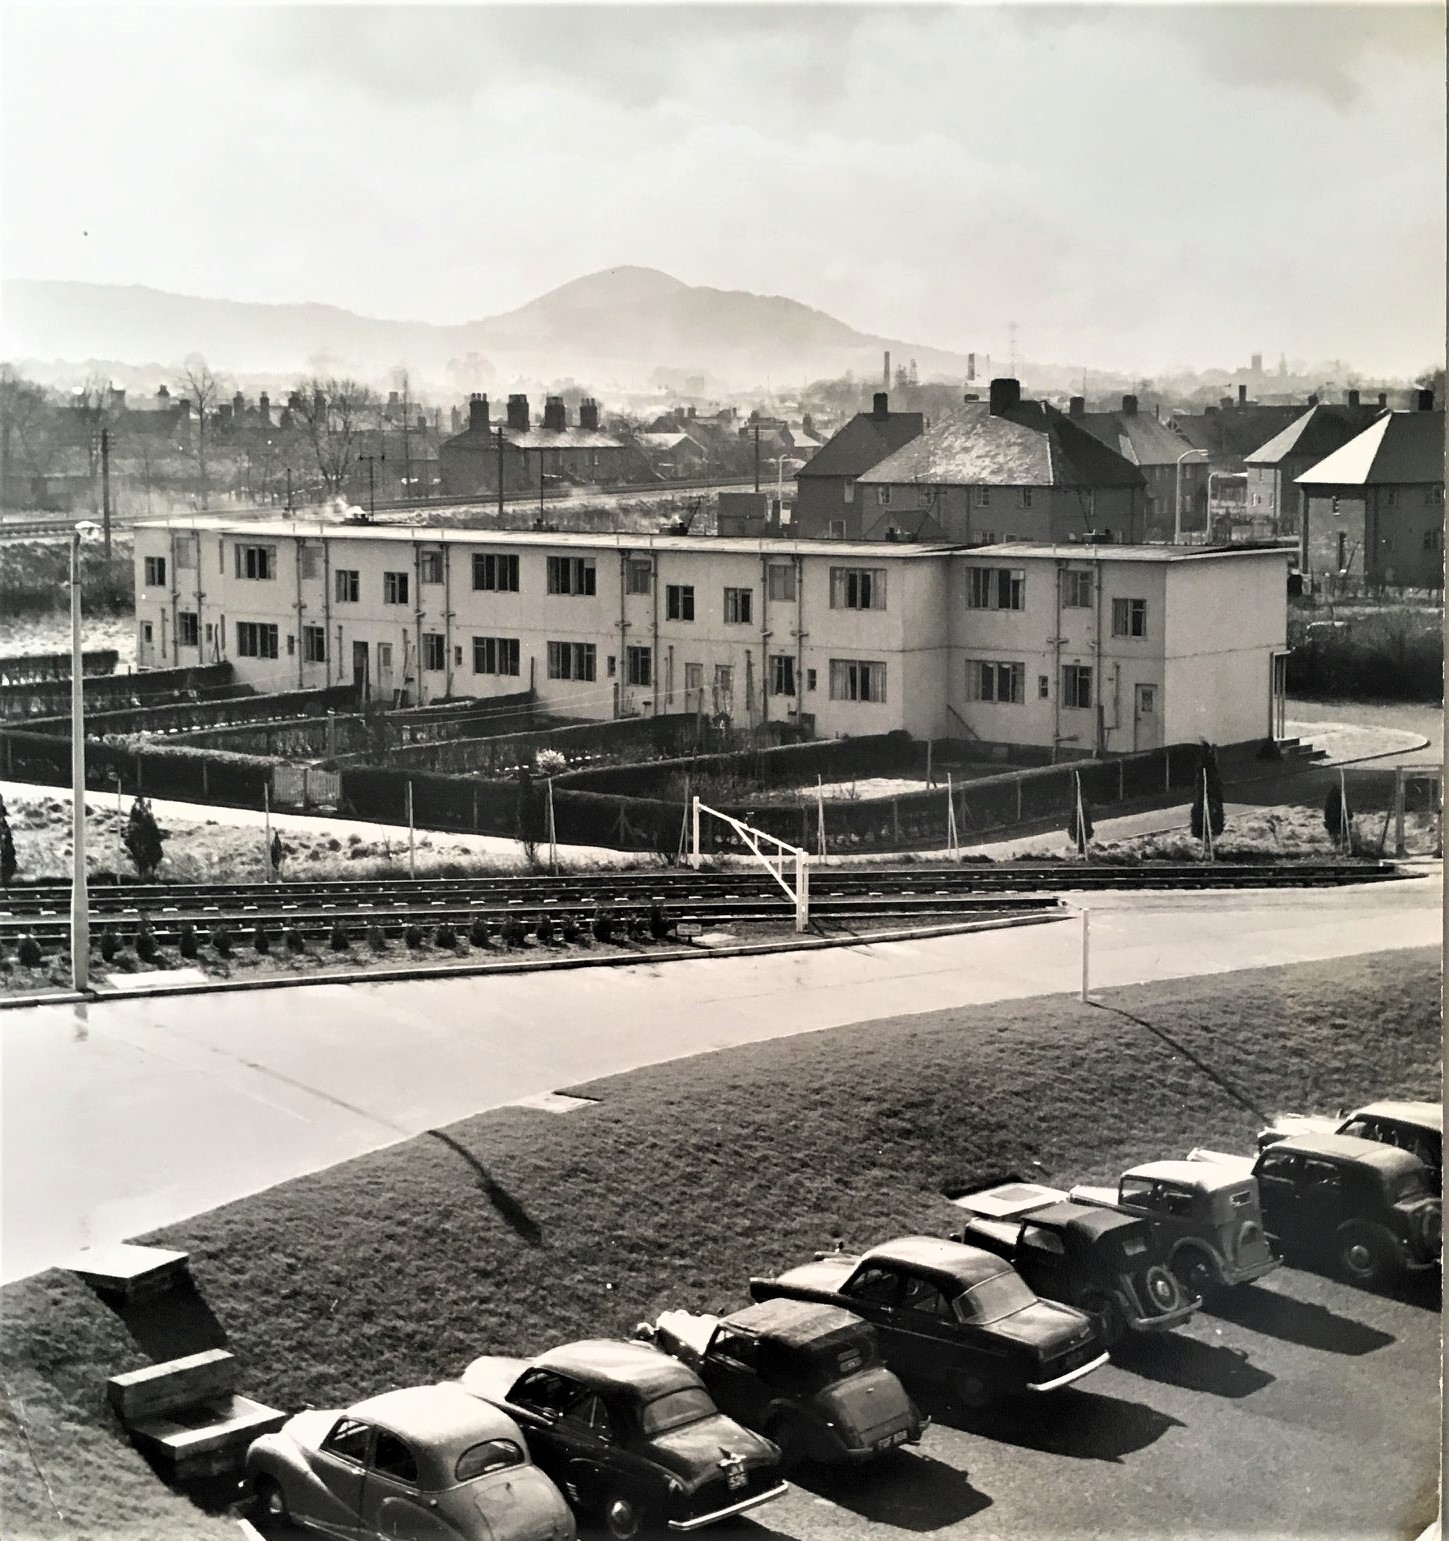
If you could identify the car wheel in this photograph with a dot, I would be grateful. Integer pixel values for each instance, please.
(1163, 1290)
(271, 1500)
(787, 1431)
(623, 1517)
(1195, 1272)
(1363, 1257)
(970, 1390)
(1107, 1315)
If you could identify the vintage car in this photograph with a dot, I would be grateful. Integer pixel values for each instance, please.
(809, 1377)
(1109, 1265)
(631, 1435)
(951, 1314)
(1417, 1127)
(1209, 1221)
(423, 1461)
(1363, 1203)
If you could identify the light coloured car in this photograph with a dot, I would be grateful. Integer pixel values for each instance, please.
(1417, 1127)
(426, 1462)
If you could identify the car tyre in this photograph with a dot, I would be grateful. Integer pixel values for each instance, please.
(624, 1518)
(1107, 1315)
(970, 1391)
(272, 1501)
(1362, 1253)
(1194, 1271)
(789, 1433)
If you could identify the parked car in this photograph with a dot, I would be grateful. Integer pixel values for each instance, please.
(1109, 1265)
(1417, 1127)
(631, 1435)
(1365, 1204)
(1209, 1221)
(953, 1314)
(424, 1461)
(809, 1377)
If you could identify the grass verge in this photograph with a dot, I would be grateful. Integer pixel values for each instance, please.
(521, 1228)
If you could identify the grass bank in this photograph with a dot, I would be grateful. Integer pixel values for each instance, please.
(516, 1228)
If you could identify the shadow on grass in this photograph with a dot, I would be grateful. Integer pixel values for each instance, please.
(1297, 1321)
(1175, 1360)
(906, 1490)
(510, 1211)
(172, 1324)
(1085, 1425)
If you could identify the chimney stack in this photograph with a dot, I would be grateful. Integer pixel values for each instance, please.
(1005, 394)
(1426, 401)
(457, 419)
(1383, 398)
(477, 413)
(238, 406)
(555, 418)
(1129, 406)
(1242, 395)
(1313, 401)
(1353, 398)
(1226, 403)
(880, 408)
(264, 409)
(1077, 406)
(589, 415)
(887, 376)
(518, 414)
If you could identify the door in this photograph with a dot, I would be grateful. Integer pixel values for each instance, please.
(1146, 718)
(340, 1464)
(359, 667)
(871, 1292)
(927, 1334)
(1278, 697)
(392, 1504)
(1277, 1174)
(730, 1370)
(146, 649)
(384, 670)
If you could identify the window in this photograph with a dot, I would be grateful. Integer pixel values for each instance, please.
(724, 679)
(291, 645)
(392, 1458)
(314, 644)
(1342, 551)
(738, 606)
(847, 493)
(435, 651)
(185, 550)
(983, 497)
(857, 588)
(256, 639)
(1282, 1164)
(782, 583)
(490, 1456)
(782, 674)
(394, 588)
(186, 629)
(883, 496)
(679, 602)
(155, 571)
(571, 575)
(590, 1414)
(639, 665)
(1129, 617)
(810, 679)
(921, 1296)
(1046, 1243)
(1023, 497)
(1076, 685)
(256, 561)
(309, 561)
(345, 585)
(542, 1391)
(675, 1409)
(1004, 682)
(1043, 687)
(837, 529)
(494, 571)
(1076, 590)
(996, 588)
(495, 655)
(738, 1346)
(988, 537)
(853, 679)
(875, 1286)
(572, 661)
(1322, 1175)
(694, 676)
(146, 632)
(430, 567)
(349, 1440)
(637, 577)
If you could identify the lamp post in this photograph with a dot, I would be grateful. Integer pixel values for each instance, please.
(1177, 500)
(80, 915)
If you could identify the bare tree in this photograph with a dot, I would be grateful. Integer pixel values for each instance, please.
(204, 389)
(334, 414)
(27, 430)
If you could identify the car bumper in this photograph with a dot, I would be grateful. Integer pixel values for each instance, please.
(1246, 1273)
(861, 1455)
(1164, 1321)
(1070, 1376)
(699, 1521)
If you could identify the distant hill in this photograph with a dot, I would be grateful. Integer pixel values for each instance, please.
(617, 327)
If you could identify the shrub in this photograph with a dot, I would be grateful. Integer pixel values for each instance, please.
(187, 941)
(296, 942)
(452, 869)
(221, 939)
(8, 863)
(514, 934)
(340, 940)
(1338, 816)
(549, 762)
(1208, 779)
(146, 944)
(638, 927)
(354, 839)
(603, 925)
(660, 925)
(143, 839)
(445, 936)
(569, 929)
(545, 929)
(109, 945)
(29, 952)
(478, 931)
(377, 938)
(334, 844)
(413, 936)
(262, 941)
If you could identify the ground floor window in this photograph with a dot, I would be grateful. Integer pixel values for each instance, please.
(639, 665)
(855, 679)
(1076, 685)
(435, 651)
(187, 632)
(314, 644)
(495, 655)
(1000, 682)
(782, 674)
(572, 661)
(256, 639)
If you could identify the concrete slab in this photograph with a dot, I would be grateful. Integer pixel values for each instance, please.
(126, 1270)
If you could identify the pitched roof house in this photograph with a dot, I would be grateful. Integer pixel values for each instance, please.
(825, 500)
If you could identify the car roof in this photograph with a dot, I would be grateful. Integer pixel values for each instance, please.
(1192, 1174)
(1429, 1114)
(1086, 1220)
(796, 1323)
(1348, 1147)
(442, 1418)
(616, 1365)
(953, 1260)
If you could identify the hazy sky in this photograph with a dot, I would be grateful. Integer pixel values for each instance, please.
(1135, 186)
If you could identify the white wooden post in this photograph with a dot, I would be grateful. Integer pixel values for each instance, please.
(929, 781)
(412, 849)
(1086, 933)
(267, 831)
(552, 833)
(820, 818)
(802, 891)
(694, 857)
(1399, 846)
(1207, 818)
(1081, 818)
(953, 842)
(1344, 826)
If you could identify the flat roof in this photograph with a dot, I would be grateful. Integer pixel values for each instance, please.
(1109, 552)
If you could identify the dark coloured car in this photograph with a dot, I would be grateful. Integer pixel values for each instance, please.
(951, 1314)
(809, 1377)
(1209, 1220)
(1417, 1127)
(631, 1435)
(425, 1461)
(1107, 1264)
(1364, 1204)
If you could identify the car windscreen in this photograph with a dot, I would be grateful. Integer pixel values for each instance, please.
(488, 1456)
(996, 1297)
(676, 1408)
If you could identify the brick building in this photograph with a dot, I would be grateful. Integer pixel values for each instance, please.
(1274, 501)
(1172, 466)
(825, 499)
(522, 454)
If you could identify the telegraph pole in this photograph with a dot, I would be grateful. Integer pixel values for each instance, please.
(106, 488)
(757, 454)
(500, 468)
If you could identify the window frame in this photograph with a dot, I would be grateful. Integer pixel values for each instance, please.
(639, 665)
(504, 651)
(573, 577)
(188, 635)
(858, 588)
(1129, 617)
(1074, 580)
(782, 667)
(430, 567)
(739, 606)
(638, 575)
(582, 661)
(495, 572)
(260, 632)
(858, 680)
(259, 555)
(679, 598)
(434, 645)
(155, 572)
(395, 587)
(314, 643)
(1077, 674)
(346, 585)
(780, 576)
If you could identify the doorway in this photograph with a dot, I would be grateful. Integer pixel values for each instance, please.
(1146, 718)
(359, 669)
(384, 670)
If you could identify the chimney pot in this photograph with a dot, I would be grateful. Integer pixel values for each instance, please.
(1005, 394)
(555, 417)
(880, 408)
(477, 413)
(1353, 398)
(518, 413)
(1242, 395)
(1426, 401)
(1129, 406)
(1077, 407)
(589, 414)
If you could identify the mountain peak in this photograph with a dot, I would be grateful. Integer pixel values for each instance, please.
(610, 287)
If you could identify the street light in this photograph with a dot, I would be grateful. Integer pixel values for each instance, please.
(1177, 501)
(80, 916)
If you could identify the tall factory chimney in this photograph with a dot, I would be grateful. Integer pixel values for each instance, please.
(886, 379)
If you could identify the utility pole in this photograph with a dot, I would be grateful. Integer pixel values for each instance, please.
(289, 489)
(757, 454)
(106, 488)
(371, 483)
(500, 468)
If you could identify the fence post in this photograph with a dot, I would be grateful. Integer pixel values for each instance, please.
(1167, 769)
(205, 783)
(802, 891)
(1399, 846)
(1121, 781)
(267, 830)
(896, 821)
(475, 808)
(1018, 797)
(1086, 933)
(694, 833)
(820, 818)
(412, 849)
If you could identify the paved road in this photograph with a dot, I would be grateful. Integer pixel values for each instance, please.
(125, 1115)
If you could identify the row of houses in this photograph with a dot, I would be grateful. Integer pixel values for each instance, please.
(1067, 649)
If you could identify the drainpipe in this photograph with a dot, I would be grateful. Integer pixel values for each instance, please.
(621, 663)
(1056, 680)
(327, 615)
(799, 638)
(175, 596)
(200, 596)
(301, 648)
(447, 618)
(1099, 669)
(764, 637)
(417, 624)
(654, 632)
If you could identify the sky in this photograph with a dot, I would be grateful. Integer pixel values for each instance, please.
(1137, 187)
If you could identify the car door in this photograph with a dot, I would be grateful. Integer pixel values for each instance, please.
(1277, 1174)
(392, 1504)
(1041, 1259)
(929, 1339)
(340, 1464)
(1321, 1206)
(871, 1292)
(730, 1371)
(586, 1438)
(537, 1401)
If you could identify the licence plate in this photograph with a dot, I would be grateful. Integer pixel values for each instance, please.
(736, 1480)
(898, 1438)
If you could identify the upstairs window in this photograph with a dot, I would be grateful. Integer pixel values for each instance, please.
(738, 606)
(857, 588)
(679, 602)
(883, 496)
(345, 585)
(1076, 590)
(571, 575)
(1129, 617)
(996, 588)
(638, 576)
(495, 572)
(430, 567)
(155, 572)
(395, 588)
(782, 582)
(256, 562)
